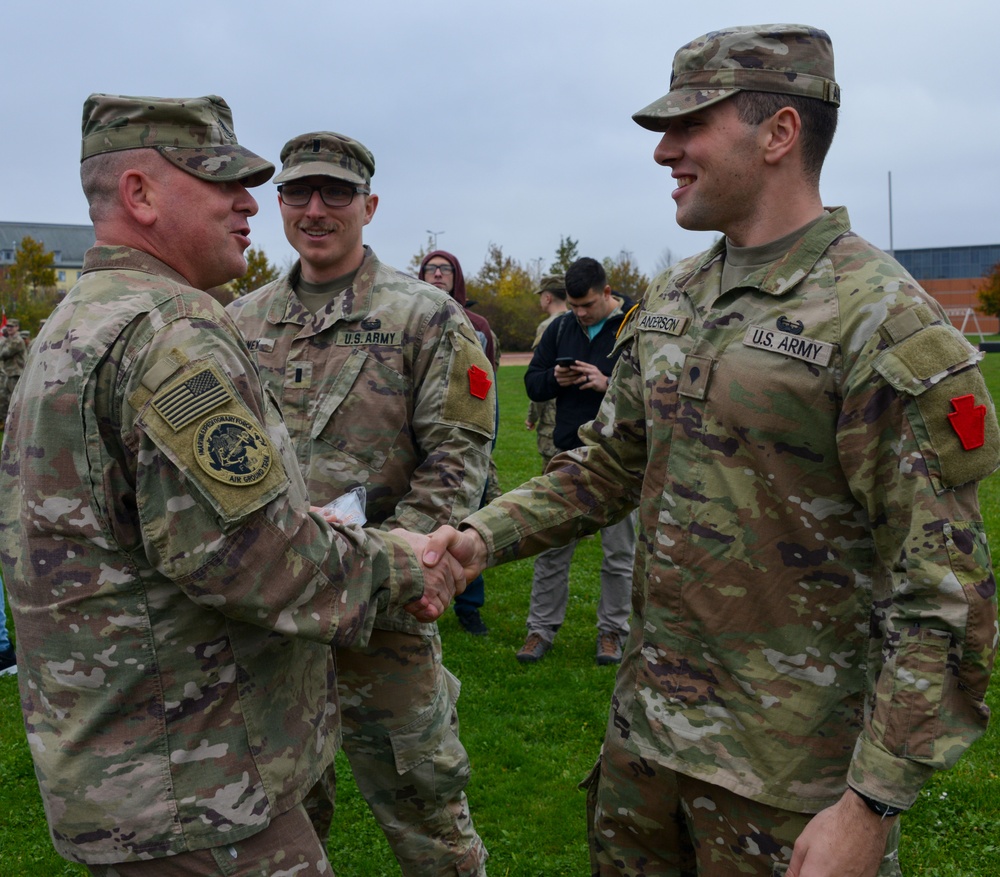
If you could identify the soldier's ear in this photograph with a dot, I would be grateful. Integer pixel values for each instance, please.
(135, 191)
(371, 205)
(780, 134)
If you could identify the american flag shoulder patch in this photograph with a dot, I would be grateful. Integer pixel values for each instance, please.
(191, 398)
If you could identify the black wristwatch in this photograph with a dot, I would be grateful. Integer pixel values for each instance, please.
(878, 807)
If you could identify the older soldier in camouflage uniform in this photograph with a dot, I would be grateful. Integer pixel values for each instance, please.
(173, 595)
(542, 415)
(383, 385)
(803, 431)
(12, 353)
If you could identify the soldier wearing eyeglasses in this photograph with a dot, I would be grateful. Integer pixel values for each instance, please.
(383, 385)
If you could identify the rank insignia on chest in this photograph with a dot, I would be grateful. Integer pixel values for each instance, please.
(298, 374)
(807, 349)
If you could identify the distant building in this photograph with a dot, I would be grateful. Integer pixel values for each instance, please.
(953, 276)
(67, 243)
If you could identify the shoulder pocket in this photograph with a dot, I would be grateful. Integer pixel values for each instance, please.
(471, 396)
(952, 413)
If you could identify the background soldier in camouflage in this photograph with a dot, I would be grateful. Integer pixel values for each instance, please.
(803, 430)
(372, 369)
(174, 606)
(542, 415)
(12, 353)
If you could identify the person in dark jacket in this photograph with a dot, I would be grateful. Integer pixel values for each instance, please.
(572, 364)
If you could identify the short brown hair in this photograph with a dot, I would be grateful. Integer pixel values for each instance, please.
(819, 122)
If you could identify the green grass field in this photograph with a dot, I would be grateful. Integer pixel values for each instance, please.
(533, 733)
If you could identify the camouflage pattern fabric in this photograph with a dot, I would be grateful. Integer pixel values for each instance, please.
(543, 414)
(778, 58)
(401, 737)
(644, 819)
(376, 391)
(173, 596)
(12, 353)
(813, 601)
(7, 387)
(328, 154)
(288, 846)
(194, 133)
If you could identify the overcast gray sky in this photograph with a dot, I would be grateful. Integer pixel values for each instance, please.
(510, 122)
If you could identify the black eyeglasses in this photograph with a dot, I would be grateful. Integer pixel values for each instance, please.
(444, 269)
(333, 194)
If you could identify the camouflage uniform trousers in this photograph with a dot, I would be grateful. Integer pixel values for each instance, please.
(7, 385)
(400, 729)
(288, 846)
(644, 820)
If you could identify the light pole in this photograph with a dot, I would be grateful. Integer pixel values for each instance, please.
(892, 249)
(434, 238)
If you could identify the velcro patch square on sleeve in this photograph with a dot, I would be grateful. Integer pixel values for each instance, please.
(191, 398)
(938, 368)
(225, 454)
(461, 404)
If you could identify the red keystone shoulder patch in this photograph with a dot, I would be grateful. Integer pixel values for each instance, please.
(969, 421)
(480, 383)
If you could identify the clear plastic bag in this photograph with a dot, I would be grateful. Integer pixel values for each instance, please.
(349, 508)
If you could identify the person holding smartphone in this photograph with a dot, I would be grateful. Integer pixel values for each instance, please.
(571, 364)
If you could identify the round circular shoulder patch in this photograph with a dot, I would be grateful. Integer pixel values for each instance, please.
(232, 449)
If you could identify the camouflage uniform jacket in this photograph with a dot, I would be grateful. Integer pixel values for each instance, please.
(813, 596)
(375, 391)
(173, 596)
(12, 353)
(543, 414)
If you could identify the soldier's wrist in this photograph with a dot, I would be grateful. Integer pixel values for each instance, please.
(877, 807)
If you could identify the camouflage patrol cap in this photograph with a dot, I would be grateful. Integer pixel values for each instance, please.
(555, 283)
(326, 154)
(195, 134)
(779, 58)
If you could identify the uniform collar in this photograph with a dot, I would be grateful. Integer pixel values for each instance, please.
(350, 306)
(121, 258)
(781, 276)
